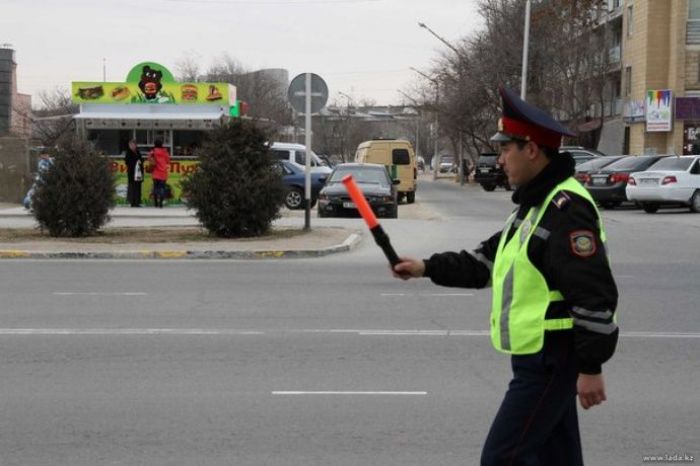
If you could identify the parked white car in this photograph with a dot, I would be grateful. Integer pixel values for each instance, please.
(672, 182)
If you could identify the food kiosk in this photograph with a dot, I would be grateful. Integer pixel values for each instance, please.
(151, 105)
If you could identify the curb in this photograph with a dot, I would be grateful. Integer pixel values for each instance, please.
(350, 243)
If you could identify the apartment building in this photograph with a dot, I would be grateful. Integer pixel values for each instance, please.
(15, 108)
(661, 75)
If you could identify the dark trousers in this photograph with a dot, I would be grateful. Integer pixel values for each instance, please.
(537, 423)
(158, 192)
(133, 193)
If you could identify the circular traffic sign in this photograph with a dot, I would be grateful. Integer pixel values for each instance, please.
(297, 93)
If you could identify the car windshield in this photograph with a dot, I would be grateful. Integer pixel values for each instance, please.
(673, 164)
(361, 175)
(596, 163)
(630, 163)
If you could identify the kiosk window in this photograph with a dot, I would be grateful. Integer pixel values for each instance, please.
(400, 157)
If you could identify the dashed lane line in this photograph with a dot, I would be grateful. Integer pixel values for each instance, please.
(258, 332)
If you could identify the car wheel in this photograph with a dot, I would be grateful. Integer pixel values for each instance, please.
(488, 187)
(410, 197)
(294, 199)
(695, 202)
(650, 207)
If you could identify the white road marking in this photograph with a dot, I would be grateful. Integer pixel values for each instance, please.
(358, 332)
(432, 333)
(660, 334)
(351, 393)
(125, 331)
(97, 293)
(426, 294)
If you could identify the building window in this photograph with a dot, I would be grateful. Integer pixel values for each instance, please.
(628, 81)
(693, 26)
(693, 10)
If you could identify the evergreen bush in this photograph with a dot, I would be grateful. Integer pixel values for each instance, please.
(237, 189)
(73, 197)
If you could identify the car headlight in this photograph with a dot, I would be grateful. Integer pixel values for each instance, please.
(323, 197)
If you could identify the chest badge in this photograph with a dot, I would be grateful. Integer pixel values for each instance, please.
(583, 243)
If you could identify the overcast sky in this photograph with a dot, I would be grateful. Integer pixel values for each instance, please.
(363, 48)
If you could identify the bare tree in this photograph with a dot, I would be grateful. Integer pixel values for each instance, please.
(265, 96)
(566, 68)
(53, 120)
(339, 130)
(187, 67)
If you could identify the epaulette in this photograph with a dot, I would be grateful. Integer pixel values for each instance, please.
(561, 200)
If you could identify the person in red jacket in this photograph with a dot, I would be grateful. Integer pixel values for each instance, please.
(160, 159)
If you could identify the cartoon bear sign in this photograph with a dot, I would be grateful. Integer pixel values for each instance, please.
(150, 83)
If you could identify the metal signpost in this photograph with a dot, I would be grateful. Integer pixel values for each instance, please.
(307, 94)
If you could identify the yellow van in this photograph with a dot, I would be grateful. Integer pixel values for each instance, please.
(399, 158)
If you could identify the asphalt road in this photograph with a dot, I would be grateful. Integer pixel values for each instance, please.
(324, 361)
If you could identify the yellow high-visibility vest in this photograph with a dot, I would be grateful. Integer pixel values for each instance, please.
(521, 296)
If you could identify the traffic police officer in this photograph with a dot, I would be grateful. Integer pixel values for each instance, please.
(554, 296)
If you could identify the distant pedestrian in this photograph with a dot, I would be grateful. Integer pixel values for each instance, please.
(134, 173)
(160, 158)
(43, 165)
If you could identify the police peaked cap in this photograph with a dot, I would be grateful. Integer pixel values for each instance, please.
(524, 122)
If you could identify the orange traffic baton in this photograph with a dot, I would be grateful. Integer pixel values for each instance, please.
(380, 237)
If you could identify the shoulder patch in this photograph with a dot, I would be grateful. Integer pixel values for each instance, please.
(562, 200)
(583, 243)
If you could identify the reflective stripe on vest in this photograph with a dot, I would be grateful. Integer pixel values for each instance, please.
(521, 296)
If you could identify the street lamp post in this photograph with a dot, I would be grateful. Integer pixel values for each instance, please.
(441, 39)
(419, 117)
(436, 157)
(460, 58)
(347, 122)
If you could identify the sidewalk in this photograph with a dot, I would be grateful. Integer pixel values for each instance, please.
(286, 241)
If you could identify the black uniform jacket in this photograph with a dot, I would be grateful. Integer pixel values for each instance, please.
(569, 254)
